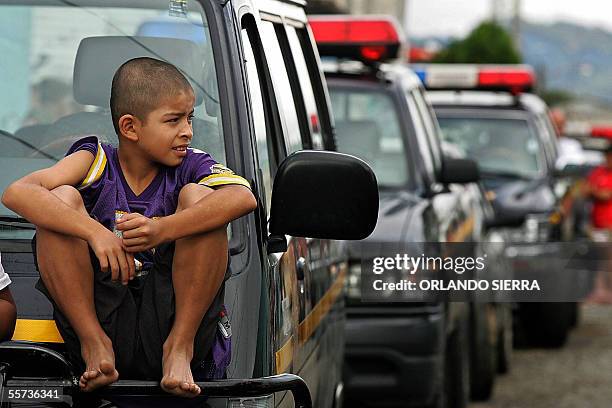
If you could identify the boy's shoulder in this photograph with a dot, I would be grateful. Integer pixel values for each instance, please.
(102, 153)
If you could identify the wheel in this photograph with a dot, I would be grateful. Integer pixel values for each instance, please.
(574, 315)
(457, 370)
(546, 324)
(483, 350)
(505, 340)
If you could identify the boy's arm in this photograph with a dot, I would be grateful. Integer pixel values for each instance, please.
(31, 198)
(212, 212)
(8, 314)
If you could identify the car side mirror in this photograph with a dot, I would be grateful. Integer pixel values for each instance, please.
(320, 194)
(573, 171)
(459, 171)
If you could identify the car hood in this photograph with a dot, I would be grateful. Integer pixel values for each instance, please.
(517, 198)
(400, 222)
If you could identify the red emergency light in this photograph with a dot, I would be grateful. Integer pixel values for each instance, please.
(368, 38)
(510, 78)
(514, 79)
(604, 132)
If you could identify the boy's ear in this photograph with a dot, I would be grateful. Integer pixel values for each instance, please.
(128, 126)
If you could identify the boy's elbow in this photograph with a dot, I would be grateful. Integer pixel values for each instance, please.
(250, 202)
(8, 197)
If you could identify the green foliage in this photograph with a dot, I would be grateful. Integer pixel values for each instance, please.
(556, 97)
(488, 43)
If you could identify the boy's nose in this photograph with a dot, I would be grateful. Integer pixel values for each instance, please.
(187, 131)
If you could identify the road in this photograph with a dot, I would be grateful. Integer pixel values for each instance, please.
(577, 376)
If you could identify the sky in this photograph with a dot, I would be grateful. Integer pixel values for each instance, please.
(458, 17)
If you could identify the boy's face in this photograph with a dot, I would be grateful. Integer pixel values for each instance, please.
(167, 131)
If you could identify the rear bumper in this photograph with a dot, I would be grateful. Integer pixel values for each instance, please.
(394, 359)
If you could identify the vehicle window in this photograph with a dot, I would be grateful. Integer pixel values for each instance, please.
(431, 128)
(264, 152)
(46, 103)
(320, 90)
(282, 88)
(421, 135)
(314, 120)
(368, 127)
(498, 145)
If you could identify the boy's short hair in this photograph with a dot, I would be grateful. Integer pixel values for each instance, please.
(140, 84)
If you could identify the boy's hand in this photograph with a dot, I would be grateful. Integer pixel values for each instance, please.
(112, 255)
(139, 232)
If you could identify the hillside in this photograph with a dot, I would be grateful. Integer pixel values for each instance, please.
(567, 56)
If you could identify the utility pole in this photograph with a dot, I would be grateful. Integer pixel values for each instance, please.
(516, 25)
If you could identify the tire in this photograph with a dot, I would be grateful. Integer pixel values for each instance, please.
(575, 315)
(483, 350)
(546, 324)
(505, 340)
(456, 370)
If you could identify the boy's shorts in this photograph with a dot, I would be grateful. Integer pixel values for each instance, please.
(138, 318)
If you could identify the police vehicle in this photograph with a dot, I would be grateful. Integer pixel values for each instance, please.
(490, 113)
(401, 353)
(262, 108)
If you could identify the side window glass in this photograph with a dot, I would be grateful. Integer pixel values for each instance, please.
(263, 147)
(314, 120)
(430, 127)
(421, 136)
(282, 88)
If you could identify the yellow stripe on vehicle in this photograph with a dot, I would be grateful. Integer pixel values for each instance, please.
(284, 356)
(43, 331)
(311, 322)
(463, 231)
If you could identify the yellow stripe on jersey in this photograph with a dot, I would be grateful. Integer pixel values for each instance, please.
(96, 169)
(215, 180)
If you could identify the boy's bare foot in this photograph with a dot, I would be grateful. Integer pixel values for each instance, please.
(178, 379)
(100, 365)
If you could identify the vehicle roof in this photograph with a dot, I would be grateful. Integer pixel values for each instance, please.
(479, 99)
(391, 73)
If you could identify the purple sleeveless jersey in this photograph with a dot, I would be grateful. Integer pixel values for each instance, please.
(107, 195)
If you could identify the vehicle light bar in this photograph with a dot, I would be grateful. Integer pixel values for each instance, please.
(364, 38)
(604, 132)
(510, 78)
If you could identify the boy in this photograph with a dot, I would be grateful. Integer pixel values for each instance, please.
(146, 213)
(8, 312)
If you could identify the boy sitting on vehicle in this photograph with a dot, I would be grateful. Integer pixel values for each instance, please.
(8, 312)
(153, 213)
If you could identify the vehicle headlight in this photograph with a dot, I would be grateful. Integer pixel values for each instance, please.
(266, 401)
(537, 228)
(354, 281)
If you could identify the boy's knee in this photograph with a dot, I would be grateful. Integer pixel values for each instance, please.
(191, 194)
(69, 195)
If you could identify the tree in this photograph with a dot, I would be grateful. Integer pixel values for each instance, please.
(323, 7)
(488, 43)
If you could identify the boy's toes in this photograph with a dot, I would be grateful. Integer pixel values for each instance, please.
(170, 384)
(92, 380)
(190, 388)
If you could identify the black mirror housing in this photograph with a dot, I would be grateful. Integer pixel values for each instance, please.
(326, 195)
(459, 171)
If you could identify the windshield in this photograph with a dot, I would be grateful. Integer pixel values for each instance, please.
(502, 146)
(368, 127)
(57, 64)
